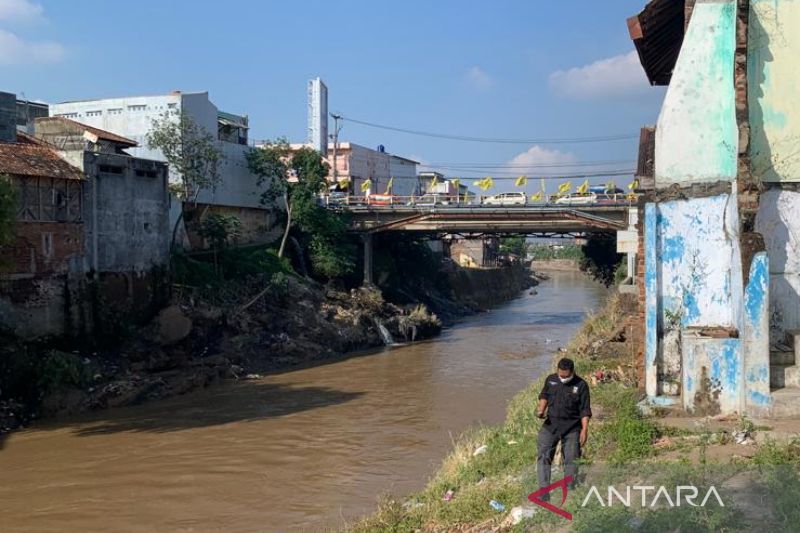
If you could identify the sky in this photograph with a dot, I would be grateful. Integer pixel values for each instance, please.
(527, 70)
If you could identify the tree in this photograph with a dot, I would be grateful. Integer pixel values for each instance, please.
(191, 152)
(514, 245)
(8, 204)
(217, 229)
(295, 178)
(600, 257)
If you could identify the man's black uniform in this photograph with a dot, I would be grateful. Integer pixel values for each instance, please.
(567, 403)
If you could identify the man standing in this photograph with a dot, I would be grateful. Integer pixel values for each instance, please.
(565, 399)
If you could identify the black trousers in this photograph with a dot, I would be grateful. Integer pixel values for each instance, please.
(546, 448)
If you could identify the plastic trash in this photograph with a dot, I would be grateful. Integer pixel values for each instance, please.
(497, 506)
(512, 443)
(448, 495)
(479, 450)
(518, 514)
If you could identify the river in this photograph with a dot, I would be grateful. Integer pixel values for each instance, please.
(297, 451)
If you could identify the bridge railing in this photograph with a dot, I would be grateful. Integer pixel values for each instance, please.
(445, 200)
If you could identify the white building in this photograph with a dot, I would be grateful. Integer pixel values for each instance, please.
(404, 172)
(358, 164)
(132, 117)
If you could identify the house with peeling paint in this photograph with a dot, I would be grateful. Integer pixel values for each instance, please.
(720, 219)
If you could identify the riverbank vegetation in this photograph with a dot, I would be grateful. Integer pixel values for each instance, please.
(627, 445)
(597, 257)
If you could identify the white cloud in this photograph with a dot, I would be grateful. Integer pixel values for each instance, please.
(536, 159)
(14, 50)
(479, 79)
(616, 76)
(19, 10)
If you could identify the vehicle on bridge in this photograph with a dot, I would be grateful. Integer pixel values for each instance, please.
(507, 198)
(595, 196)
(430, 200)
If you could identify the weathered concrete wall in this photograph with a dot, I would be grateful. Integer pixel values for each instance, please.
(33, 298)
(712, 374)
(697, 135)
(38, 307)
(693, 280)
(778, 220)
(756, 336)
(773, 87)
(698, 262)
(131, 211)
(482, 288)
(258, 225)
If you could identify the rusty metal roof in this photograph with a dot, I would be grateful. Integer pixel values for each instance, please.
(657, 33)
(100, 134)
(30, 159)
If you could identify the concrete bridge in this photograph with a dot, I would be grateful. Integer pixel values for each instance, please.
(534, 220)
(529, 220)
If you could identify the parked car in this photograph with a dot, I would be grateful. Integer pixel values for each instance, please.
(578, 199)
(337, 197)
(430, 200)
(507, 198)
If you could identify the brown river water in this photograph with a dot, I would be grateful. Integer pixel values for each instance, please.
(303, 450)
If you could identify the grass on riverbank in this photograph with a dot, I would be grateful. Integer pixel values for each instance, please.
(506, 471)
(624, 448)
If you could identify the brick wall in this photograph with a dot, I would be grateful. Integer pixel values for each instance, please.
(45, 248)
(636, 322)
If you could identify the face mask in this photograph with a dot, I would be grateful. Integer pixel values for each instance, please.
(565, 380)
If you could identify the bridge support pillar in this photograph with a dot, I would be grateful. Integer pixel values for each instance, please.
(368, 257)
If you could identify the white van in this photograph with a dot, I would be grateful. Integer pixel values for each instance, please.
(507, 198)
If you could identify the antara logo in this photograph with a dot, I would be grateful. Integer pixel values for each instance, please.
(564, 484)
(683, 493)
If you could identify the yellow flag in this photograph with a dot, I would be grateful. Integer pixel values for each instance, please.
(565, 187)
(366, 185)
(633, 185)
(389, 185)
(632, 196)
(456, 183)
(485, 184)
(583, 188)
(536, 197)
(521, 181)
(434, 181)
(344, 183)
(611, 186)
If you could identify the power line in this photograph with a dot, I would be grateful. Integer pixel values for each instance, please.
(609, 174)
(575, 140)
(456, 165)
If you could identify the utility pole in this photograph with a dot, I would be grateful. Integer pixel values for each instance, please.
(336, 129)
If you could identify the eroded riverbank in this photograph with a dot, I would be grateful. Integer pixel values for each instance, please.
(300, 450)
